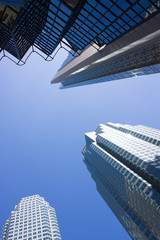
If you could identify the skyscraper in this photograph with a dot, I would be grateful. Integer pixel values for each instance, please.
(35, 26)
(32, 218)
(42, 26)
(124, 161)
(129, 47)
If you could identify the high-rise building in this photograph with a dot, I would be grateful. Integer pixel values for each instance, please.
(43, 25)
(32, 218)
(129, 46)
(124, 162)
(35, 26)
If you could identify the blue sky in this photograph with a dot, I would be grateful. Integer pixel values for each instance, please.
(42, 134)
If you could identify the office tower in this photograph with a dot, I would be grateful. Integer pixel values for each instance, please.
(46, 25)
(126, 43)
(36, 26)
(124, 161)
(32, 218)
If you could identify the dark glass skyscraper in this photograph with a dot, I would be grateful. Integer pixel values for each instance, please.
(39, 27)
(124, 161)
(45, 24)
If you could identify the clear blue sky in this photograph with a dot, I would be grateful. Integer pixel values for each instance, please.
(42, 133)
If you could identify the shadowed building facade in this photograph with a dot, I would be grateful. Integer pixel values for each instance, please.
(124, 162)
(32, 218)
(35, 26)
(46, 24)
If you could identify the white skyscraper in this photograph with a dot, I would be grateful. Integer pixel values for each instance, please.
(124, 162)
(32, 218)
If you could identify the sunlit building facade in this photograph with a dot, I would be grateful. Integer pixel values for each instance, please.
(125, 47)
(124, 162)
(32, 218)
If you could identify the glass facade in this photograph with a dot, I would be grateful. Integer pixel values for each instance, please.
(40, 24)
(78, 22)
(126, 66)
(124, 161)
(105, 21)
(19, 35)
(32, 218)
(122, 75)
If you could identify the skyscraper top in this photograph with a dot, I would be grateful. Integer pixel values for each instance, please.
(32, 218)
(140, 144)
(124, 161)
